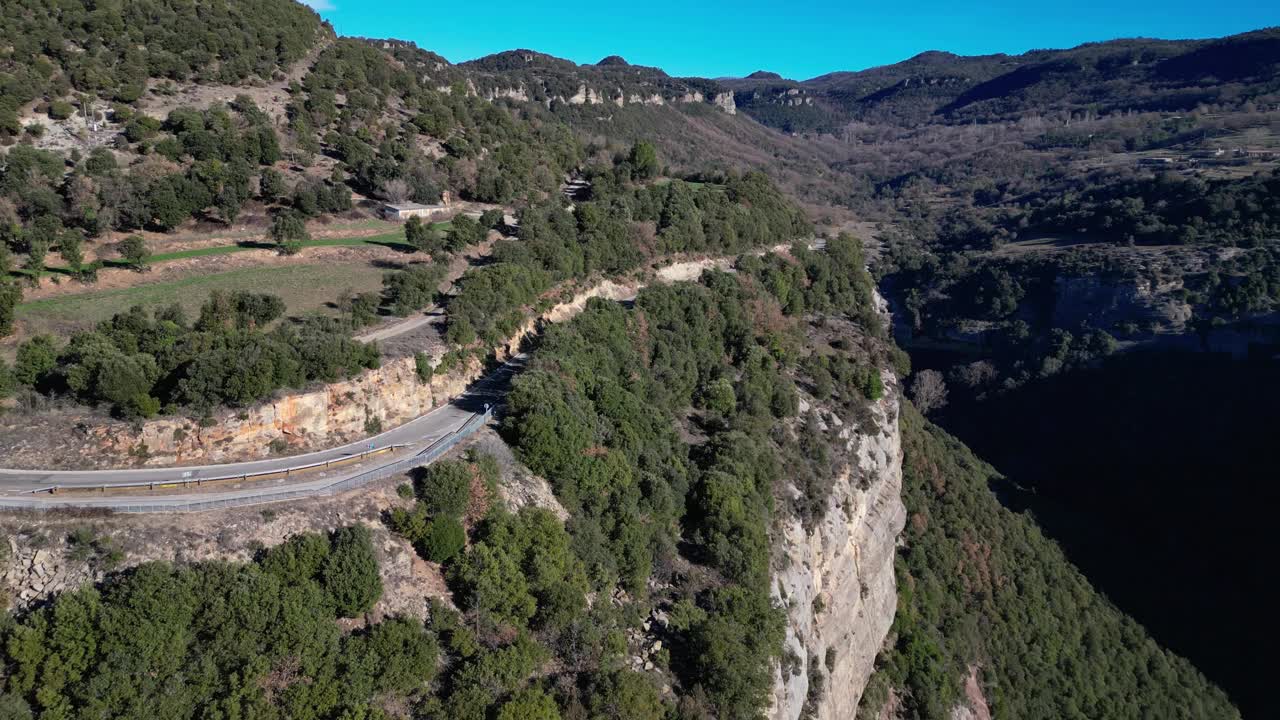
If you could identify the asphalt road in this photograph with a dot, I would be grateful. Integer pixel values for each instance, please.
(30, 488)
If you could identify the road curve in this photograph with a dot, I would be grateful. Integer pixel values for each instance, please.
(119, 488)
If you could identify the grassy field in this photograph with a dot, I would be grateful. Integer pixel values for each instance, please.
(302, 287)
(394, 240)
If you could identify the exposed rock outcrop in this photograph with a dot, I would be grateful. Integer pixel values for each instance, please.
(331, 415)
(974, 705)
(836, 578)
(1105, 303)
(41, 557)
(725, 102)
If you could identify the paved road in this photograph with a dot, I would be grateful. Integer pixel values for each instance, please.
(30, 487)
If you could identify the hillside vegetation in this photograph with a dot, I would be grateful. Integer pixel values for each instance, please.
(668, 540)
(1133, 74)
(111, 50)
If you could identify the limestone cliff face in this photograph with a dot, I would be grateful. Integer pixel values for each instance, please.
(726, 102)
(836, 578)
(331, 415)
(588, 95)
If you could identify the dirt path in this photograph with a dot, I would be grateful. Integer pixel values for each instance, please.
(396, 329)
(457, 266)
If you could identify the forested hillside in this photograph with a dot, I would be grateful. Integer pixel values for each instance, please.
(671, 433)
(220, 640)
(111, 50)
(1135, 74)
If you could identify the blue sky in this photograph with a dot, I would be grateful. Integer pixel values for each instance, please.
(799, 39)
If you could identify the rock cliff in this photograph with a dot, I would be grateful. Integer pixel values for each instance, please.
(334, 414)
(1106, 303)
(836, 578)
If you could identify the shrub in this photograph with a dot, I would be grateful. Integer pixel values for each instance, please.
(350, 573)
(445, 487)
(141, 405)
(422, 366)
(61, 110)
(444, 539)
(134, 251)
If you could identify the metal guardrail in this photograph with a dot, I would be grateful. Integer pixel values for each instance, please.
(201, 481)
(257, 496)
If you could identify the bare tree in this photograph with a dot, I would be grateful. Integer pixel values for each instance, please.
(929, 391)
(396, 191)
(975, 374)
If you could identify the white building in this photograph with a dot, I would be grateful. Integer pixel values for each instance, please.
(404, 211)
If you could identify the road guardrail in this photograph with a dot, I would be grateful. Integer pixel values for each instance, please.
(259, 495)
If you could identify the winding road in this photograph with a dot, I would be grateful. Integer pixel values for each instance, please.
(258, 481)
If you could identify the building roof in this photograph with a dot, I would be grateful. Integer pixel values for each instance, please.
(402, 207)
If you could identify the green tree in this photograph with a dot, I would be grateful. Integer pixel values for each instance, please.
(412, 288)
(271, 186)
(297, 560)
(37, 249)
(70, 248)
(644, 160)
(719, 397)
(464, 231)
(445, 487)
(13, 707)
(444, 539)
(10, 297)
(350, 573)
(36, 357)
(494, 585)
(422, 236)
(396, 655)
(624, 694)
(530, 704)
(134, 251)
(7, 381)
(289, 232)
